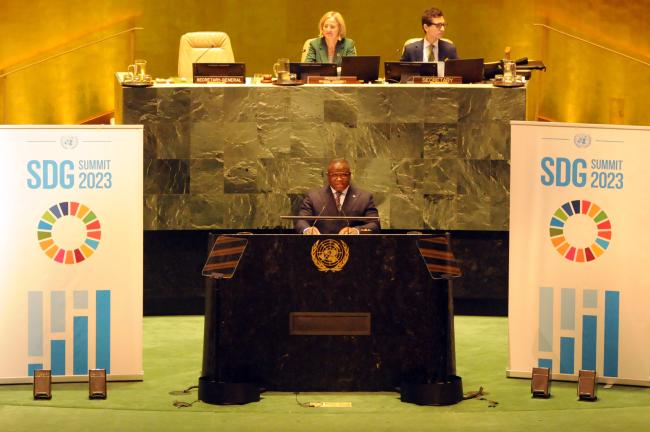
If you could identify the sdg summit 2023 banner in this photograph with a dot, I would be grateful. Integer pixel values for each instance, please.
(579, 288)
(71, 251)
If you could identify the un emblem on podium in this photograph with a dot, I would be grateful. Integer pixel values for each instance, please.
(330, 255)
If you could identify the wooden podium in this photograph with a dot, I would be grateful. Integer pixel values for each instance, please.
(329, 313)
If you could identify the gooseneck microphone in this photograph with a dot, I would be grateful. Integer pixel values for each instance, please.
(203, 53)
(347, 221)
(316, 220)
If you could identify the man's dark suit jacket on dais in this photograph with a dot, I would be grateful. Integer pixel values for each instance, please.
(413, 51)
(321, 201)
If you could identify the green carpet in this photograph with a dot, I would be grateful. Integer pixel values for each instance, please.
(172, 361)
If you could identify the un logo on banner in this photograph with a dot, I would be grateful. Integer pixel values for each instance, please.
(582, 140)
(69, 142)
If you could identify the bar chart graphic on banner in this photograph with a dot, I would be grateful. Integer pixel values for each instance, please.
(577, 343)
(59, 331)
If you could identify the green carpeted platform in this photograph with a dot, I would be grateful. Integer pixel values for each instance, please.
(172, 361)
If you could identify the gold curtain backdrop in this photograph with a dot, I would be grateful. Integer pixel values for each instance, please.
(583, 83)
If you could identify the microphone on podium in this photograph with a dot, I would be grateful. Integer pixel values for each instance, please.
(315, 220)
(347, 221)
(348, 228)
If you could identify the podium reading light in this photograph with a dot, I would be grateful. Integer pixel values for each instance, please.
(42, 384)
(97, 384)
(540, 383)
(587, 385)
(224, 257)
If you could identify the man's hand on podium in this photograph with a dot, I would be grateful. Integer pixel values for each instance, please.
(349, 231)
(312, 230)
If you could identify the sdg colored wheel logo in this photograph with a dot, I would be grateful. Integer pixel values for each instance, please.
(580, 231)
(69, 232)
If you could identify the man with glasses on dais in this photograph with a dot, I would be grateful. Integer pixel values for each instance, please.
(338, 198)
(432, 48)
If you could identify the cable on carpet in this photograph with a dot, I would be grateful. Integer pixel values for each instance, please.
(480, 395)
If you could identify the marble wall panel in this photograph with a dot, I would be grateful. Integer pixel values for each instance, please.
(406, 211)
(238, 210)
(408, 175)
(207, 104)
(372, 140)
(274, 175)
(246, 104)
(309, 139)
(268, 208)
(167, 212)
(374, 174)
(166, 176)
(344, 142)
(406, 105)
(440, 211)
(382, 202)
(473, 212)
(473, 176)
(206, 140)
(508, 105)
(235, 157)
(306, 106)
(206, 210)
(206, 176)
(340, 111)
(273, 138)
(241, 176)
(373, 106)
(472, 105)
(442, 106)
(499, 191)
(441, 140)
(441, 176)
(406, 140)
(306, 173)
(139, 105)
(171, 128)
(485, 140)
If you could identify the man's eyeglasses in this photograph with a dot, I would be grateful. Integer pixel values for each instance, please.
(339, 175)
(439, 25)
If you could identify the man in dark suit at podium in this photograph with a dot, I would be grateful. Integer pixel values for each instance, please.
(432, 47)
(338, 198)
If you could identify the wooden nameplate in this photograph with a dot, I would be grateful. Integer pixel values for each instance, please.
(435, 80)
(220, 80)
(316, 79)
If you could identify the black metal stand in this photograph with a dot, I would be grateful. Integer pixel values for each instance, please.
(221, 393)
(446, 392)
(212, 389)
